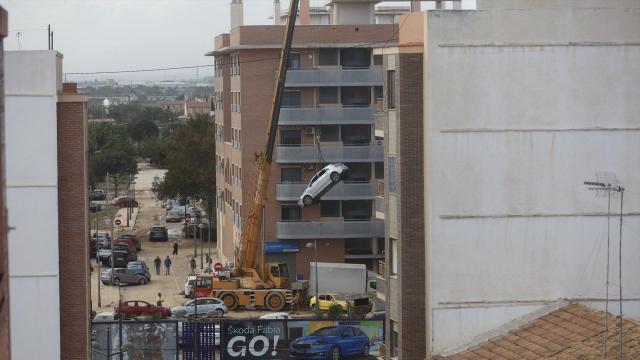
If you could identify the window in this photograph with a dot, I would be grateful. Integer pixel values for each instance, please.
(330, 208)
(391, 164)
(329, 133)
(379, 170)
(291, 175)
(290, 213)
(328, 57)
(378, 93)
(291, 99)
(235, 65)
(328, 95)
(294, 61)
(348, 331)
(393, 256)
(356, 209)
(355, 95)
(358, 247)
(356, 134)
(290, 137)
(377, 59)
(391, 89)
(359, 172)
(355, 58)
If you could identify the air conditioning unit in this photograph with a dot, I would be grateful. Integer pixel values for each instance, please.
(309, 166)
(309, 130)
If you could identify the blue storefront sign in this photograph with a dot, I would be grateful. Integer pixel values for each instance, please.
(281, 247)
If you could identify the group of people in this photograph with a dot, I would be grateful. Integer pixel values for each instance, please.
(167, 262)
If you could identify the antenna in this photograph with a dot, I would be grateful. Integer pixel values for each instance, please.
(606, 184)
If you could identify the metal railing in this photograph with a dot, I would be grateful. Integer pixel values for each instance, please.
(330, 229)
(341, 191)
(334, 77)
(371, 152)
(314, 116)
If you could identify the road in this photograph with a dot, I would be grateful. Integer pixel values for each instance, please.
(151, 213)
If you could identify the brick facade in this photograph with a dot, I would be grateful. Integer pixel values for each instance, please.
(75, 305)
(5, 353)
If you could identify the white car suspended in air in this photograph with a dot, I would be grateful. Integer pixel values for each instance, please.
(322, 182)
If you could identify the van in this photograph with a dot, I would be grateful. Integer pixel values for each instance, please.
(188, 285)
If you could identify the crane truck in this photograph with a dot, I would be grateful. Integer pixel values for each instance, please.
(248, 285)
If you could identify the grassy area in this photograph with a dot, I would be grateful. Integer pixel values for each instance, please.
(104, 216)
(122, 189)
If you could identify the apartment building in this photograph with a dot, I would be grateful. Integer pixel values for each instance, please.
(5, 340)
(332, 91)
(494, 117)
(321, 15)
(47, 183)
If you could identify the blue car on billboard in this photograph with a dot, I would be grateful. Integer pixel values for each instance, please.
(331, 343)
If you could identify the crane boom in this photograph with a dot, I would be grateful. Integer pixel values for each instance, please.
(262, 163)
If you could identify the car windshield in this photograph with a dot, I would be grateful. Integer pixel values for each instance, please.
(328, 331)
(339, 297)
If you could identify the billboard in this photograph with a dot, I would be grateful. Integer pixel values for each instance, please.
(285, 339)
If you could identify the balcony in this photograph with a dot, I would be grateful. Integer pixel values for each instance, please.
(331, 153)
(313, 116)
(341, 191)
(330, 229)
(334, 77)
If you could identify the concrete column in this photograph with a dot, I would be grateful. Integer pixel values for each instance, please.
(237, 14)
(305, 15)
(457, 5)
(276, 12)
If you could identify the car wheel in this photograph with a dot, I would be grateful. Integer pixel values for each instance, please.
(116, 282)
(335, 354)
(142, 281)
(230, 300)
(365, 351)
(219, 313)
(307, 200)
(335, 177)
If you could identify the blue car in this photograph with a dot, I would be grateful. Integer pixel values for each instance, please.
(331, 343)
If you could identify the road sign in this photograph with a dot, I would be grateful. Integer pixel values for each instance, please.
(187, 218)
(118, 222)
(217, 267)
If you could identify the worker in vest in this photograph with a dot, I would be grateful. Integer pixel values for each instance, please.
(160, 300)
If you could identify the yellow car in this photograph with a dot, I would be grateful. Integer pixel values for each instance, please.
(326, 300)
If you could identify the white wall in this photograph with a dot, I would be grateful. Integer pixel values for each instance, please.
(31, 85)
(353, 13)
(523, 106)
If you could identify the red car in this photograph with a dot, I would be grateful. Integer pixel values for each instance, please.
(128, 242)
(125, 202)
(136, 308)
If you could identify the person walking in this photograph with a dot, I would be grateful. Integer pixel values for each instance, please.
(160, 300)
(175, 248)
(167, 264)
(158, 263)
(193, 265)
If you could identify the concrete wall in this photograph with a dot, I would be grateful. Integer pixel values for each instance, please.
(32, 200)
(524, 102)
(5, 341)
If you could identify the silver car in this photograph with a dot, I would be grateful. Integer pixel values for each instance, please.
(122, 276)
(322, 182)
(206, 306)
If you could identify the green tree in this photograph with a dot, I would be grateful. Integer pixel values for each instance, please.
(111, 152)
(142, 129)
(191, 167)
(155, 150)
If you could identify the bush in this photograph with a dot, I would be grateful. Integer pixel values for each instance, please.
(335, 311)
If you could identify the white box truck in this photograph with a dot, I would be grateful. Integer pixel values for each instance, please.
(341, 278)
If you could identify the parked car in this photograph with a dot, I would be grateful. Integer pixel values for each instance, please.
(206, 306)
(95, 207)
(188, 285)
(102, 238)
(276, 316)
(98, 194)
(158, 233)
(322, 182)
(174, 216)
(93, 247)
(327, 300)
(139, 268)
(125, 201)
(122, 276)
(201, 232)
(129, 243)
(136, 308)
(134, 239)
(104, 316)
(378, 310)
(121, 257)
(332, 342)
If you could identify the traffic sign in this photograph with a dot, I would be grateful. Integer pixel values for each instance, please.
(217, 267)
(117, 222)
(187, 218)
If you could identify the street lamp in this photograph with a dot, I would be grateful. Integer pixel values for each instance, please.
(314, 245)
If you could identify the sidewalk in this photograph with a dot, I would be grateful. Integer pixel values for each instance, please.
(122, 216)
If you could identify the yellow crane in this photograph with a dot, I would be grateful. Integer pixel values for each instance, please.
(268, 287)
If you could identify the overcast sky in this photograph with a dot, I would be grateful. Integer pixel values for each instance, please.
(105, 35)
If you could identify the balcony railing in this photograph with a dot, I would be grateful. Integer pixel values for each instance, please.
(331, 153)
(330, 229)
(313, 116)
(334, 77)
(341, 191)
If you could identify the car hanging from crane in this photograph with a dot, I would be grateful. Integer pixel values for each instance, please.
(322, 182)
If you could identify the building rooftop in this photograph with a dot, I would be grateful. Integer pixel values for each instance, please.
(571, 332)
(197, 104)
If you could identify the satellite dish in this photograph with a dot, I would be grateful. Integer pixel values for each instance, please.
(106, 103)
